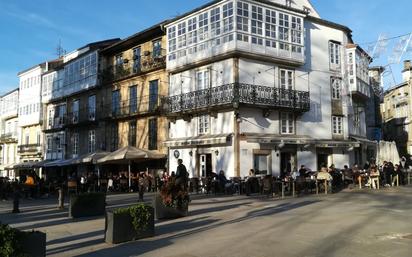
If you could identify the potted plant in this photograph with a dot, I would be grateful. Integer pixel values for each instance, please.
(14, 242)
(172, 202)
(128, 224)
(87, 205)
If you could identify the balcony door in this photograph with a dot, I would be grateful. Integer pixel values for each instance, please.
(153, 94)
(92, 107)
(202, 83)
(133, 99)
(286, 82)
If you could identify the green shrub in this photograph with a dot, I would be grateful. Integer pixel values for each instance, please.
(140, 214)
(9, 241)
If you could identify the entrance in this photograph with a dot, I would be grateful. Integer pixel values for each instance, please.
(287, 163)
(322, 160)
(205, 164)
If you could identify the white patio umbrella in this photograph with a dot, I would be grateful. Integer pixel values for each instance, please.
(129, 154)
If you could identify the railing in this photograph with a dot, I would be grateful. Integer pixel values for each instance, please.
(84, 115)
(8, 136)
(30, 148)
(238, 93)
(56, 122)
(139, 106)
(135, 67)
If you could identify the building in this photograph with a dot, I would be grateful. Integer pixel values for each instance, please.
(267, 85)
(396, 114)
(9, 132)
(75, 104)
(135, 81)
(374, 119)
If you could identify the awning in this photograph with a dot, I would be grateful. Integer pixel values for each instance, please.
(88, 158)
(9, 167)
(56, 163)
(199, 140)
(26, 165)
(276, 139)
(364, 140)
(336, 144)
(130, 154)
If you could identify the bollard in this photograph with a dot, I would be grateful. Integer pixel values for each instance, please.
(61, 199)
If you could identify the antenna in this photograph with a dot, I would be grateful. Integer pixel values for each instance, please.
(59, 49)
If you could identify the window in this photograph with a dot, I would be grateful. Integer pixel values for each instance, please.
(202, 80)
(283, 31)
(75, 111)
(296, 36)
(242, 18)
(91, 146)
(204, 121)
(133, 99)
(116, 102)
(286, 84)
(260, 164)
(215, 24)
(228, 17)
(119, 60)
(257, 25)
(92, 107)
(59, 142)
(153, 94)
(192, 32)
(157, 48)
(153, 134)
(75, 144)
(181, 35)
(270, 29)
(38, 138)
(334, 54)
(336, 88)
(203, 26)
(287, 123)
(137, 59)
(81, 73)
(114, 137)
(132, 133)
(49, 143)
(337, 125)
(171, 36)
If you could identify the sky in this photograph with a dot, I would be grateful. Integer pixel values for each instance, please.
(30, 31)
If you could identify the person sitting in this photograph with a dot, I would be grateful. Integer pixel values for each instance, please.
(347, 175)
(224, 184)
(251, 182)
(324, 175)
(374, 177)
(303, 171)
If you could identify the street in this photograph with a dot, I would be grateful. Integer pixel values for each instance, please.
(351, 223)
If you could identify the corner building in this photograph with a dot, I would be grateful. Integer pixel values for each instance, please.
(267, 85)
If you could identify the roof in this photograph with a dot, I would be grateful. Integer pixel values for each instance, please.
(396, 87)
(146, 34)
(10, 92)
(218, 1)
(360, 49)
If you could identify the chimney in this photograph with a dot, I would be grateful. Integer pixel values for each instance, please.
(407, 65)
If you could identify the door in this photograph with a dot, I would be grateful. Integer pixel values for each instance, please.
(205, 164)
(322, 160)
(287, 163)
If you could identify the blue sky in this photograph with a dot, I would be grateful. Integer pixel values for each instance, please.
(30, 30)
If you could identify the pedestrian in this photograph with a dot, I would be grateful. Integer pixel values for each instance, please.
(182, 176)
(142, 185)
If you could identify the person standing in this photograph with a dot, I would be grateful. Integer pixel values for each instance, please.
(142, 180)
(182, 175)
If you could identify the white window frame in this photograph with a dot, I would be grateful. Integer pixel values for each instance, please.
(336, 85)
(287, 123)
(203, 79)
(91, 141)
(335, 50)
(75, 144)
(204, 124)
(337, 125)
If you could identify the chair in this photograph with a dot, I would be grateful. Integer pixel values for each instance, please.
(72, 186)
(267, 185)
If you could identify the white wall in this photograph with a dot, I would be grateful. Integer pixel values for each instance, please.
(307, 158)
(30, 97)
(253, 121)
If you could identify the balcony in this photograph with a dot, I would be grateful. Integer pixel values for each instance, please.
(147, 105)
(83, 116)
(236, 94)
(30, 149)
(136, 67)
(56, 123)
(8, 137)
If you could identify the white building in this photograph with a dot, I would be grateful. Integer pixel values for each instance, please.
(9, 132)
(266, 85)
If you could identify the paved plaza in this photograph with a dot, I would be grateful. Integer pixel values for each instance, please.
(350, 223)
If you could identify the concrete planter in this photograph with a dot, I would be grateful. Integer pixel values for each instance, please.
(119, 228)
(87, 205)
(165, 212)
(33, 243)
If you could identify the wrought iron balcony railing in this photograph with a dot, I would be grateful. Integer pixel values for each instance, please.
(30, 149)
(134, 107)
(84, 116)
(137, 66)
(236, 94)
